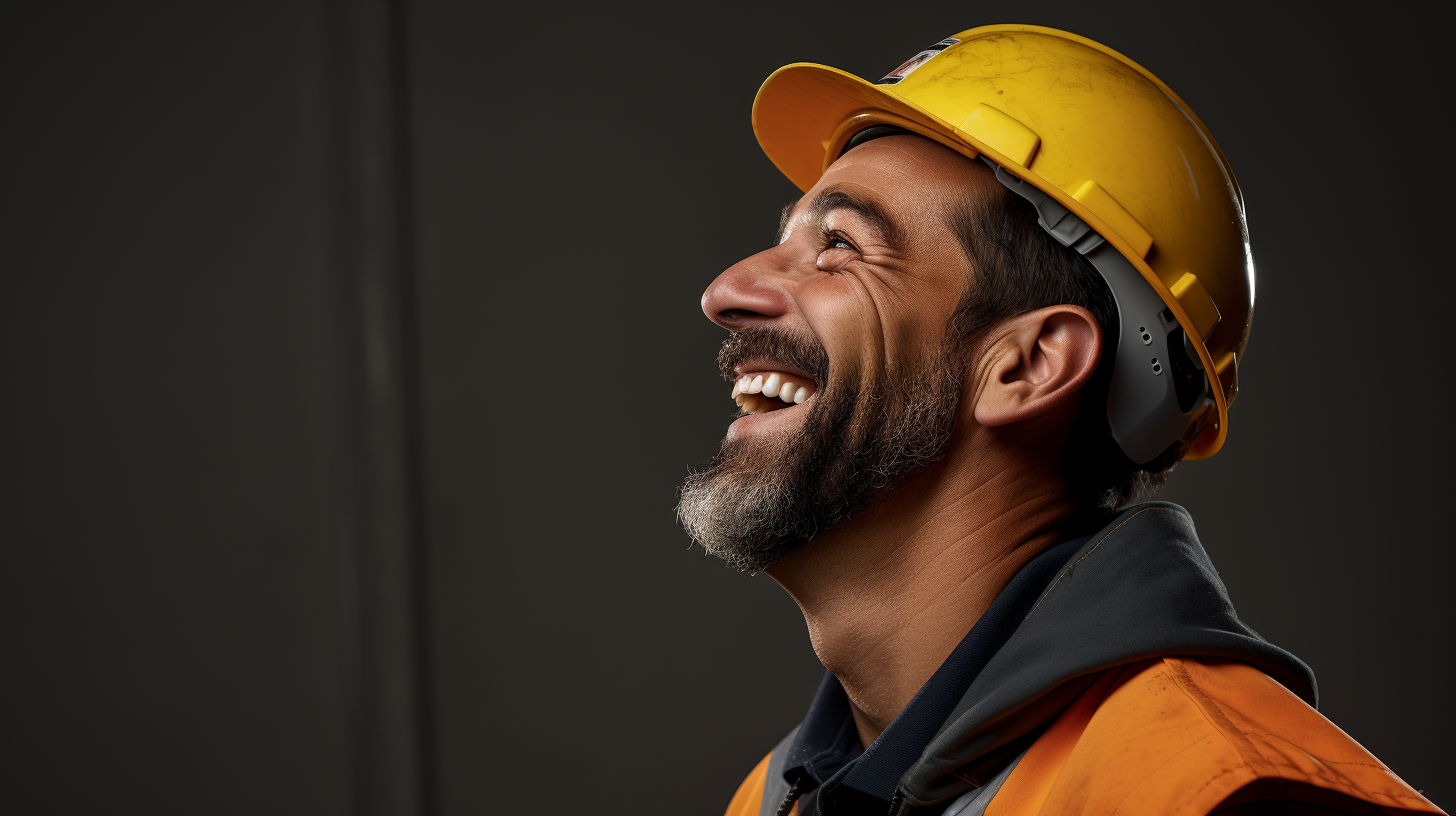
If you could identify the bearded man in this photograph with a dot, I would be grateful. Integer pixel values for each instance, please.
(1011, 298)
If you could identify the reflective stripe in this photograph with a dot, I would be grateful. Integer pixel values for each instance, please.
(974, 803)
(774, 786)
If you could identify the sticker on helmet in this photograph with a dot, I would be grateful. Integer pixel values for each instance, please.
(916, 61)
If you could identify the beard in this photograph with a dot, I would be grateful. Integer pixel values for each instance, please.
(763, 497)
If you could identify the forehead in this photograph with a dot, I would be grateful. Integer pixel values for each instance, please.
(907, 174)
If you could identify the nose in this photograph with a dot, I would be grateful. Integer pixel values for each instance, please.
(746, 294)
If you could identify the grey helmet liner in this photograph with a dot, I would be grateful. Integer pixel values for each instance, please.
(1159, 391)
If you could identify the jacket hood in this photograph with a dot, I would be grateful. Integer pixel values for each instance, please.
(1140, 588)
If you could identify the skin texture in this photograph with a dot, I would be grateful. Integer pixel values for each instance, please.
(890, 593)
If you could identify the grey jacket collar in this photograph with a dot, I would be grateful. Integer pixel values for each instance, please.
(1142, 587)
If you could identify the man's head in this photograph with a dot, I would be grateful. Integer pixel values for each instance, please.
(921, 310)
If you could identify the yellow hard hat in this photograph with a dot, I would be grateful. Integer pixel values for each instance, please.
(1118, 167)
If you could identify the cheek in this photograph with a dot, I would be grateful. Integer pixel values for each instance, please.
(870, 330)
(847, 318)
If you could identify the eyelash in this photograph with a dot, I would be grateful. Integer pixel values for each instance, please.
(832, 238)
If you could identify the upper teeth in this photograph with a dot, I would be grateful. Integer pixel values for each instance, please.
(774, 384)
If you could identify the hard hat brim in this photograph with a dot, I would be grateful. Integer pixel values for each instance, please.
(804, 108)
(805, 113)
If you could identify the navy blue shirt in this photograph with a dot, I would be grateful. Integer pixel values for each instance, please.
(826, 760)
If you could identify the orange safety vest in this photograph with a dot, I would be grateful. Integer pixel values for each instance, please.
(1182, 736)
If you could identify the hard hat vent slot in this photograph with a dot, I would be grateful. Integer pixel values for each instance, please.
(1189, 381)
(1147, 338)
(1157, 366)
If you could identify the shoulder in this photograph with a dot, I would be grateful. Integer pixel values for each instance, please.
(765, 781)
(1270, 737)
(1190, 735)
(749, 798)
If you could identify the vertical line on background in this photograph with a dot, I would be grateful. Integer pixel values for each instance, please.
(404, 119)
(377, 437)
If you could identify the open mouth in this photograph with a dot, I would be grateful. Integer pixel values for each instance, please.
(759, 392)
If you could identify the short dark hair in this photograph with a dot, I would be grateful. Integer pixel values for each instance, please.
(1018, 268)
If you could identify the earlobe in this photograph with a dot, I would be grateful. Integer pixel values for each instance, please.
(1037, 360)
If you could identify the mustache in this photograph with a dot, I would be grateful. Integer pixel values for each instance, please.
(778, 345)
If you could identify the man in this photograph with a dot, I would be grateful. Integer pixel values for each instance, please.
(1012, 297)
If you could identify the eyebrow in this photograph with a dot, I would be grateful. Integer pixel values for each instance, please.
(836, 199)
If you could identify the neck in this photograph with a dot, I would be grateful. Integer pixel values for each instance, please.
(890, 594)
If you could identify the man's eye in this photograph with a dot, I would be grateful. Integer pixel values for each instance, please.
(836, 242)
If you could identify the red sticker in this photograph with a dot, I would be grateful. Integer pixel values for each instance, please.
(916, 61)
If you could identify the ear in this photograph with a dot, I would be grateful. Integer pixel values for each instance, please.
(1035, 361)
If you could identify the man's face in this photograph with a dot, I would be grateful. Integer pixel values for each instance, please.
(839, 355)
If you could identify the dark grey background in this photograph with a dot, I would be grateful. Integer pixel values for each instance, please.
(352, 357)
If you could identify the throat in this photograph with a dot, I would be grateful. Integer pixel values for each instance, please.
(888, 596)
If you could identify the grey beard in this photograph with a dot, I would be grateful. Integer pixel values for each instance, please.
(741, 517)
(760, 499)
